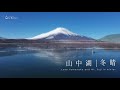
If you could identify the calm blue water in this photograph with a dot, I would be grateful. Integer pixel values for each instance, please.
(49, 63)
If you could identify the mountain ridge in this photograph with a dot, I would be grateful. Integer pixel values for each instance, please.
(111, 38)
(61, 33)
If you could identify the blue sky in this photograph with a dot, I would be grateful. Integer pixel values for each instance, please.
(29, 24)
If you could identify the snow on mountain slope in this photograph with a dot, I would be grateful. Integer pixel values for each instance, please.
(54, 32)
(60, 34)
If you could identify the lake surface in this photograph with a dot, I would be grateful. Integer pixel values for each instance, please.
(29, 62)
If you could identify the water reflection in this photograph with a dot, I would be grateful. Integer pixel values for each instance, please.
(37, 62)
(57, 56)
(13, 51)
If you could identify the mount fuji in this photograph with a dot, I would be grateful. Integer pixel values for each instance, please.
(60, 33)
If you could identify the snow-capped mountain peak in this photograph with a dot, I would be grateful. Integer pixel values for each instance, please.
(63, 31)
(51, 34)
(60, 33)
